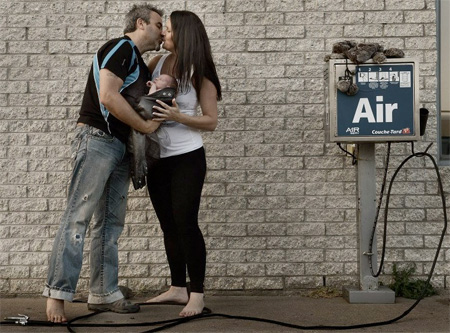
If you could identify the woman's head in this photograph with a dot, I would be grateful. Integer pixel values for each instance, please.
(186, 37)
(185, 29)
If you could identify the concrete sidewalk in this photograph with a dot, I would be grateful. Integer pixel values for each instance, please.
(430, 315)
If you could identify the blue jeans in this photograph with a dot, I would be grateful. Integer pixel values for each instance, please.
(99, 187)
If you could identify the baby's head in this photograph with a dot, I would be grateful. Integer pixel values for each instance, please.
(166, 81)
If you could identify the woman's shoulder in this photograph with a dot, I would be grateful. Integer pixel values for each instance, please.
(153, 62)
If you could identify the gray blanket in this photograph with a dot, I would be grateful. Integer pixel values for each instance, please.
(144, 148)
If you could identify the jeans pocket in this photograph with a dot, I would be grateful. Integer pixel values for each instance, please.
(100, 135)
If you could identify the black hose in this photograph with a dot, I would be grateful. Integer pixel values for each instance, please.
(383, 184)
(347, 327)
(209, 314)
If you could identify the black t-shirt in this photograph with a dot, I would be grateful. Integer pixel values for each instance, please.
(118, 57)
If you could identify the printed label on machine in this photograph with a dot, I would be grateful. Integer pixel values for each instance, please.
(384, 104)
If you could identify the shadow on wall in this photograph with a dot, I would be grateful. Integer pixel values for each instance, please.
(445, 136)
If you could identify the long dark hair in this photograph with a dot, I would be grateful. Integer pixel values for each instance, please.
(194, 58)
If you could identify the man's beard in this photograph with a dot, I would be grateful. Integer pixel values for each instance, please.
(158, 47)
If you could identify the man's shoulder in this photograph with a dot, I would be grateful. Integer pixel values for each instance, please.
(122, 43)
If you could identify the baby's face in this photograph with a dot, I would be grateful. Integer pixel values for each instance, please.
(163, 81)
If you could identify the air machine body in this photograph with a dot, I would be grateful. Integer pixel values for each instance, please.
(385, 108)
(382, 105)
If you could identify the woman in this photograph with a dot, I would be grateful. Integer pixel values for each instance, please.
(175, 182)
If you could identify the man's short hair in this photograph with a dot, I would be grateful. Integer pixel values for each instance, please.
(139, 11)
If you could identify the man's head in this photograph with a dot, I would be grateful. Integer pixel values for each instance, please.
(143, 23)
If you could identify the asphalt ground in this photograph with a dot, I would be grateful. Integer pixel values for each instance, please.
(430, 315)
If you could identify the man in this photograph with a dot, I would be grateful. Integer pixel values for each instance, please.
(100, 177)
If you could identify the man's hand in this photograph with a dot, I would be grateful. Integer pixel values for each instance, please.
(149, 126)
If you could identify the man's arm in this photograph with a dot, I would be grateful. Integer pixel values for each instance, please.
(118, 106)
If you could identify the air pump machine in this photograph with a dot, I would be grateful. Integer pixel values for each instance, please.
(383, 108)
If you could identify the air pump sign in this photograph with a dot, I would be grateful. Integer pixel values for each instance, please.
(383, 109)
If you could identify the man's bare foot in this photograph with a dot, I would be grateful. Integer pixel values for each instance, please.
(177, 295)
(55, 310)
(194, 307)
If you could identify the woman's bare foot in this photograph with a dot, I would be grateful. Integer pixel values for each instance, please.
(55, 310)
(174, 294)
(194, 307)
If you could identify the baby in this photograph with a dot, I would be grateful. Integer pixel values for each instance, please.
(144, 149)
(161, 82)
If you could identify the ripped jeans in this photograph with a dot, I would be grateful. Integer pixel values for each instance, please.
(99, 188)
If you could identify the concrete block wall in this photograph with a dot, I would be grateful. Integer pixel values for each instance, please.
(279, 204)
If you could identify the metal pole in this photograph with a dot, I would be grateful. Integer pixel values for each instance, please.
(368, 291)
(366, 214)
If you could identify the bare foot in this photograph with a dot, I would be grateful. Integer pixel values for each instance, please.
(55, 310)
(174, 294)
(194, 307)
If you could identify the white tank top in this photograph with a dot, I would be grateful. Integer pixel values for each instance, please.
(175, 138)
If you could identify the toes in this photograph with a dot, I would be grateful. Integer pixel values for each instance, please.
(188, 313)
(56, 318)
(62, 319)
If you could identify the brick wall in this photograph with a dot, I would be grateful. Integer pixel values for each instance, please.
(279, 204)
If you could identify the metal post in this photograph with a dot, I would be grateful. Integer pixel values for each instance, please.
(368, 291)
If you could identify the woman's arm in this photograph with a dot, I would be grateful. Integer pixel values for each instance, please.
(208, 104)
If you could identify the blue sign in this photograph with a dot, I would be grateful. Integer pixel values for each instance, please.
(384, 104)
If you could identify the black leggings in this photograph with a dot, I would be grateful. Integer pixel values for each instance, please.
(175, 185)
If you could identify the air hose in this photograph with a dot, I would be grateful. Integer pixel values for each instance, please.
(207, 313)
(440, 190)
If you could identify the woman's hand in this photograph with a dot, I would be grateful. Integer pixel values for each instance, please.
(167, 112)
(208, 104)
